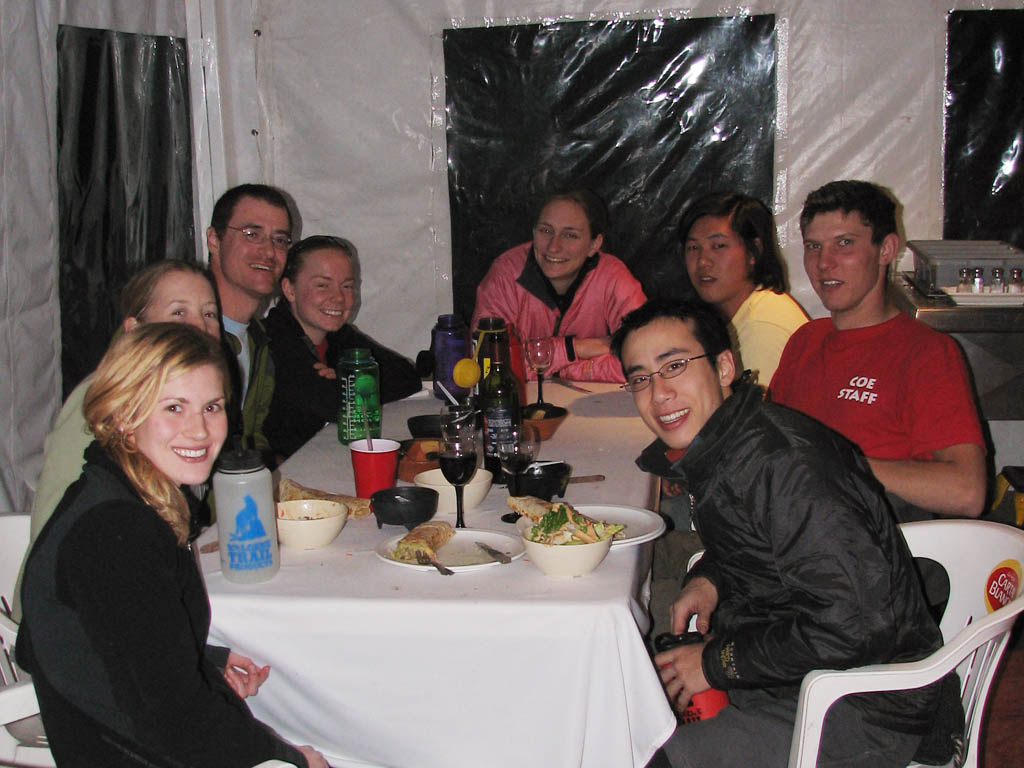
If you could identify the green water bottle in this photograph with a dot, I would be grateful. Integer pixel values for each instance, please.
(359, 379)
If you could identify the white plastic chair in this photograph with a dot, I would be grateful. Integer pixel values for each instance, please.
(14, 533)
(973, 553)
(22, 739)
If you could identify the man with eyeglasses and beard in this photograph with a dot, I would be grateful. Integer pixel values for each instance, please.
(803, 568)
(248, 239)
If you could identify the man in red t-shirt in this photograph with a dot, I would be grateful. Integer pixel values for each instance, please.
(895, 387)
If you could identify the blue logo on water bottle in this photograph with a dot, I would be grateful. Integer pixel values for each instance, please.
(248, 545)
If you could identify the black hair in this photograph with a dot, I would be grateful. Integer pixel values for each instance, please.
(593, 207)
(752, 220)
(298, 252)
(708, 325)
(224, 208)
(876, 206)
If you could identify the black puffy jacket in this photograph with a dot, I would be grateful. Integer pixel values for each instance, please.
(810, 568)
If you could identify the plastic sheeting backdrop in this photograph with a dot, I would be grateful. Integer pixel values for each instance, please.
(985, 127)
(650, 114)
(124, 166)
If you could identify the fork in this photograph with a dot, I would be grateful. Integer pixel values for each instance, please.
(424, 559)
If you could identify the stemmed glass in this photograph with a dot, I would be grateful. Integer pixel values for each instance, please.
(538, 353)
(458, 451)
(517, 449)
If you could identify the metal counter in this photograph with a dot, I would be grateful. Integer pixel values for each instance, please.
(992, 339)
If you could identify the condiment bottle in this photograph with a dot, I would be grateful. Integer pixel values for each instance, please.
(998, 283)
(246, 519)
(499, 401)
(359, 379)
(1016, 281)
(979, 280)
(449, 343)
(965, 283)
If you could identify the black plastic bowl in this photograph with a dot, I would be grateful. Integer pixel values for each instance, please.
(427, 425)
(408, 506)
(545, 481)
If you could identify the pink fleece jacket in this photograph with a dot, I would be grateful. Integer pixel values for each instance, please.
(607, 292)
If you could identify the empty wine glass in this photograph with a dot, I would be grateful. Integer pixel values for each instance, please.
(538, 353)
(458, 452)
(517, 448)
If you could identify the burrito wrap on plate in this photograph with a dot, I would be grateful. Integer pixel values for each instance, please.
(427, 538)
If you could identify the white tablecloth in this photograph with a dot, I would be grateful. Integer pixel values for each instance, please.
(376, 664)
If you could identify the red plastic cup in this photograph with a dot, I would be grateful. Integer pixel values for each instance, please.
(375, 469)
(705, 705)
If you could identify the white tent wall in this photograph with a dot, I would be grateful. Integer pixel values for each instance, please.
(29, 312)
(354, 90)
(341, 105)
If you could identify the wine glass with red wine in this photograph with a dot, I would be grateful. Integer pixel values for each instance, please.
(458, 452)
(517, 448)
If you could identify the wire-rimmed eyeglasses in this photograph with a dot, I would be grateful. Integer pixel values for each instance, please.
(636, 382)
(258, 237)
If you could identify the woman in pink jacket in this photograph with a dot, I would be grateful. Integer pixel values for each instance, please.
(562, 285)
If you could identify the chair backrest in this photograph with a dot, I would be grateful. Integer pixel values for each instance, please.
(983, 561)
(14, 536)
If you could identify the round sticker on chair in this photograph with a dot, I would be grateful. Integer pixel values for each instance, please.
(1003, 584)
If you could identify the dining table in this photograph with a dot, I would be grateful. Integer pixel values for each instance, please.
(379, 664)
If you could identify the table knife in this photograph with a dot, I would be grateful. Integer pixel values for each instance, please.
(498, 555)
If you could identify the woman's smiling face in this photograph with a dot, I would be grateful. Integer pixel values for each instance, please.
(323, 293)
(184, 433)
(562, 241)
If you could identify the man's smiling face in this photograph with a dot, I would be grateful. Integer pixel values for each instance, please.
(676, 409)
(252, 269)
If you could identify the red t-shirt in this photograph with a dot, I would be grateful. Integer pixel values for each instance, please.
(899, 389)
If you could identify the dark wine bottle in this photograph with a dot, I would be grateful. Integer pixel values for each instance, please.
(499, 400)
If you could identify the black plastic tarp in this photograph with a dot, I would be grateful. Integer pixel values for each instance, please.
(124, 168)
(984, 172)
(649, 114)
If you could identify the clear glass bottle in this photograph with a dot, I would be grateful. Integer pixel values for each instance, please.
(359, 379)
(246, 517)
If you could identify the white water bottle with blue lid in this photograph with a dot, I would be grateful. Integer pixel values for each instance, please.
(246, 517)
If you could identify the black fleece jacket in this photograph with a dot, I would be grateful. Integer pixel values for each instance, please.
(114, 634)
(303, 399)
(810, 568)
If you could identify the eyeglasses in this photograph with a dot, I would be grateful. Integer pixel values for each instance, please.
(258, 237)
(640, 381)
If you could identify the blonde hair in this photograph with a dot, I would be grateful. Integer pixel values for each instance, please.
(138, 291)
(124, 392)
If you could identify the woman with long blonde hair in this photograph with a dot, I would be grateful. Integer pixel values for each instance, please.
(115, 614)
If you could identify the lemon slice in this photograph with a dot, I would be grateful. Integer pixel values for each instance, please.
(466, 372)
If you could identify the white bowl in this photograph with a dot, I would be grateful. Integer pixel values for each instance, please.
(472, 493)
(309, 524)
(564, 560)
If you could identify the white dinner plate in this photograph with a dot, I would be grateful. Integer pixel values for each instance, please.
(460, 552)
(640, 524)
